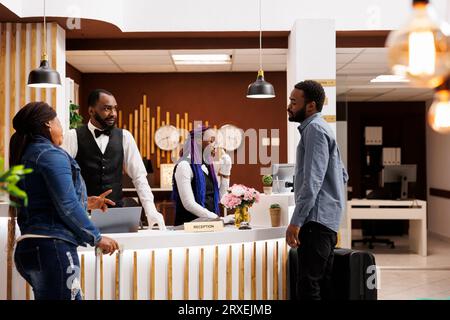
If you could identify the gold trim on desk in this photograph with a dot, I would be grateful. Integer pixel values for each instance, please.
(264, 273)
(169, 277)
(275, 272)
(216, 274)
(186, 276)
(253, 279)
(229, 273)
(201, 274)
(152, 276)
(241, 272)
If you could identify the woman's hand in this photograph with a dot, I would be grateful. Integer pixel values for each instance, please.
(100, 202)
(107, 245)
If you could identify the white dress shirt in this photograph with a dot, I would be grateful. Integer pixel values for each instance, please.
(183, 177)
(132, 164)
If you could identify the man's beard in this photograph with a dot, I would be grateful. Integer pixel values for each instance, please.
(103, 122)
(299, 116)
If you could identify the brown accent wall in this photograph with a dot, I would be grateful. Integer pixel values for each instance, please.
(403, 126)
(216, 97)
(73, 73)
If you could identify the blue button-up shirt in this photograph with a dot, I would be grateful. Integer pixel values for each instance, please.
(320, 176)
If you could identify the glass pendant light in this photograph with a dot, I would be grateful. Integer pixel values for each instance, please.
(260, 88)
(44, 76)
(420, 49)
(439, 112)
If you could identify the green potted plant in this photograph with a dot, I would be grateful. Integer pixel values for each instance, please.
(8, 186)
(267, 184)
(76, 119)
(275, 215)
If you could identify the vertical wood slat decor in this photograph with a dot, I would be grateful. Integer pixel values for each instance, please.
(241, 272)
(23, 71)
(117, 277)
(27, 291)
(253, 275)
(135, 276)
(201, 274)
(12, 76)
(143, 127)
(54, 58)
(101, 277)
(284, 271)
(152, 276)
(264, 273)
(186, 276)
(229, 273)
(216, 274)
(20, 46)
(83, 275)
(2, 87)
(169, 277)
(275, 272)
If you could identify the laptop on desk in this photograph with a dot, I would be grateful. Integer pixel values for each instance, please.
(117, 220)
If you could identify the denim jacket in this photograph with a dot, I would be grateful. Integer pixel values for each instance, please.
(57, 196)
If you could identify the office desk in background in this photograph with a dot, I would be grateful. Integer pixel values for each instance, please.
(413, 210)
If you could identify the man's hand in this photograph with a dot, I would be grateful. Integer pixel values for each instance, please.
(225, 165)
(156, 218)
(108, 245)
(292, 233)
(100, 202)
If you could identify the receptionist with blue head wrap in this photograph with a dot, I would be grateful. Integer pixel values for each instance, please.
(197, 188)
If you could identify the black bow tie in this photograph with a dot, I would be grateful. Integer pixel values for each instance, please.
(98, 133)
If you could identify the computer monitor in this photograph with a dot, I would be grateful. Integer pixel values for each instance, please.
(402, 174)
(283, 177)
(117, 220)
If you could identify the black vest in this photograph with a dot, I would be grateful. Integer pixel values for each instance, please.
(101, 171)
(181, 214)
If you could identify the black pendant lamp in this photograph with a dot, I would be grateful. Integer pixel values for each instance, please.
(44, 76)
(260, 89)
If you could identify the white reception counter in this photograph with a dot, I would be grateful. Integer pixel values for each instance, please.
(230, 264)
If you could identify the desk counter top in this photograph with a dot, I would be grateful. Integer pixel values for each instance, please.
(149, 239)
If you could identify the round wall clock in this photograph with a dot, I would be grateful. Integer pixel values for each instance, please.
(167, 137)
(230, 137)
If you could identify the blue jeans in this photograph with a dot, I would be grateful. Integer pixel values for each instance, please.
(50, 266)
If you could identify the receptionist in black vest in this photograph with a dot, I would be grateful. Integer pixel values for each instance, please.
(104, 151)
(197, 188)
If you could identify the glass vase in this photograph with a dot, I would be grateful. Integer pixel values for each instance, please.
(241, 215)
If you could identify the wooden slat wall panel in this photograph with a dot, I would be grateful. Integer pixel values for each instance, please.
(43, 90)
(53, 61)
(2, 87)
(23, 65)
(12, 76)
(33, 63)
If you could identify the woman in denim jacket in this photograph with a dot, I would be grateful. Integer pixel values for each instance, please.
(55, 222)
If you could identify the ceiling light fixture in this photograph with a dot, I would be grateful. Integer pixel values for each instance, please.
(260, 88)
(44, 76)
(193, 59)
(383, 78)
(439, 112)
(420, 48)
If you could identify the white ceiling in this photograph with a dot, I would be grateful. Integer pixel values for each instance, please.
(355, 67)
(161, 61)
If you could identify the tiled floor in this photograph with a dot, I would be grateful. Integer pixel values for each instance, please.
(407, 276)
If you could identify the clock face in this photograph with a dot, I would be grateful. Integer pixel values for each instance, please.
(230, 137)
(167, 137)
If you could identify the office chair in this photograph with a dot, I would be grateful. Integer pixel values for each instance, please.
(371, 224)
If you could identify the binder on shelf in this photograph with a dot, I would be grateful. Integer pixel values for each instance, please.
(391, 156)
(373, 136)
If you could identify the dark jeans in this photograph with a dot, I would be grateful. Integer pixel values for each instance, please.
(50, 266)
(315, 262)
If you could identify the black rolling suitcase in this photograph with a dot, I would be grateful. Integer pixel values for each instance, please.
(354, 275)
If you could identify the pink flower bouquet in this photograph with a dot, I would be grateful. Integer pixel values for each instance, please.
(239, 196)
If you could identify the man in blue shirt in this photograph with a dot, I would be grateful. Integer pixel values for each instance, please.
(319, 184)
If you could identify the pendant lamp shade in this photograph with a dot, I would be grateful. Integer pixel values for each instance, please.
(260, 89)
(44, 76)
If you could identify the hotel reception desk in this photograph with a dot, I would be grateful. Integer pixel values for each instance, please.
(228, 264)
